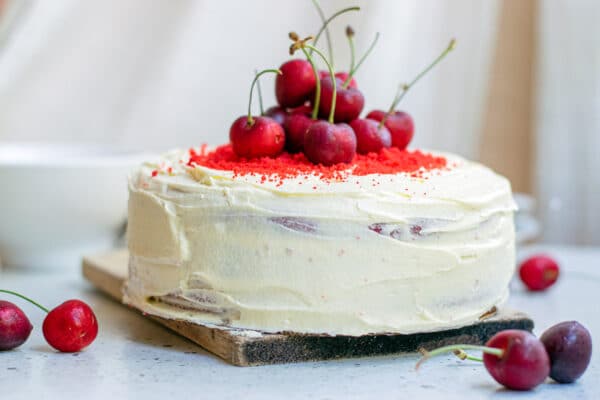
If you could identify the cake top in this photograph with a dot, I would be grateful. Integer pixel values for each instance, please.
(389, 173)
(222, 163)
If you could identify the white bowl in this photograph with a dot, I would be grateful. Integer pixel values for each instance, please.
(58, 202)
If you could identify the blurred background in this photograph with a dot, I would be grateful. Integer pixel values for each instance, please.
(521, 92)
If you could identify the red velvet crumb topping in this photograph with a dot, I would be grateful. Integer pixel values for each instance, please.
(286, 165)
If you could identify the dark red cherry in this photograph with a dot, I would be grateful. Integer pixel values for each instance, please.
(328, 144)
(296, 126)
(296, 84)
(400, 125)
(349, 101)
(305, 109)
(524, 362)
(261, 138)
(277, 113)
(569, 346)
(370, 137)
(342, 76)
(14, 326)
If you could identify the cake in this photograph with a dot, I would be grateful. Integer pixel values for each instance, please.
(395, 242)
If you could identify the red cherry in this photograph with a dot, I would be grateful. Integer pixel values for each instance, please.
(524, 362)
(70, 327)
(14, 326)
(276, 113)
(400, 125)
(296, 84)
(305, 109)
(262, 138)
(349, 101)
(539, 272)
(342, 76)
(328, 144)
(296, 126)
(370, 137)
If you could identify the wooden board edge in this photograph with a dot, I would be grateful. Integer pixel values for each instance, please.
(108, 283)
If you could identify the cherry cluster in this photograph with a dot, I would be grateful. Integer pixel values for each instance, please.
(318, 111)
(68, 328)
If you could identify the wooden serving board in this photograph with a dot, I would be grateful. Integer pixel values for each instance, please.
(248, 347)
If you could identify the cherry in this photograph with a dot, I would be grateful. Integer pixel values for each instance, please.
(524, 363)
(296, 83)
(256, 137)
(304, 109)
(296, 126)
(263, 138)
(370, 137)
(342, 75)
(276, 113)
(70, 327)
(569, 346)
(326, 143)
(514, 358)
(14, 326)
(539, 272)
(399, 124)
(349, 101)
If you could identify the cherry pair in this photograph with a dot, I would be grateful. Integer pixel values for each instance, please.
(68, 328)
(520, 361)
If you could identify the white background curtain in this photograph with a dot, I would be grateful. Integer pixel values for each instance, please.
(568, 120)
(165, 73)
(162, 74)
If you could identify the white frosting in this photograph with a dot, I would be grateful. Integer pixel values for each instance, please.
(370, 254)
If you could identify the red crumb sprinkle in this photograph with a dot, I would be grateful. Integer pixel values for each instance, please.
(154, 173)
(387, 161)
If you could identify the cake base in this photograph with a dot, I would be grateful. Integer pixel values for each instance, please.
(243, 347)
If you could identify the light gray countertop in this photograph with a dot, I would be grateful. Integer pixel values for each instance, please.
(136, 358)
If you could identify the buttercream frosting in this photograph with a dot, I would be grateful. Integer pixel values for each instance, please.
(378, 253)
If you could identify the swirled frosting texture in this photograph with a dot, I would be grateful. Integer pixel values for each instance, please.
(389, 253)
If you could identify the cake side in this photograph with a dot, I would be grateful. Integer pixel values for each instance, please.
(360, 254)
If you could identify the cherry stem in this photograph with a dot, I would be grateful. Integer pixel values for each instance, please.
(256, 76)
(324, 26)
(331, 76)
(25, 298)
(260, 98)
(403, 89)
(359, 63)
(464, 356)
(452, 348)
(350, 37)
(327, 33)
(317, 102)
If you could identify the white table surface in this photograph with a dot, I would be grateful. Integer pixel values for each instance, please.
(136, 358)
